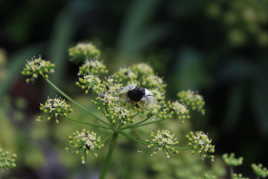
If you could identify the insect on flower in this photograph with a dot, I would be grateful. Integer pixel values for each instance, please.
(137, 94)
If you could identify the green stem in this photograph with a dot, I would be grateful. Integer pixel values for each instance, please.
(132, 138)
(88, 123)
(134, 125)
(107, 160)
(143, 124)
(231, 172)
(74, 102)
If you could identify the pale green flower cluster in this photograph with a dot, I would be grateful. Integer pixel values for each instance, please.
(141, 75)
(84, 51)
(84, 142)
(178, 110)
(112, 97)
(231, 160)
(209, 176)
(260, 170)
(245, 20)
(7, 159)
(193, 100)
(54, 108)
(88, 82)
(238, 176)
(200, 144)
(92, 67)
(129, 99)
(164, 141)
(37, 67)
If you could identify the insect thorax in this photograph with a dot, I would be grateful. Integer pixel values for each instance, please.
(136, 94)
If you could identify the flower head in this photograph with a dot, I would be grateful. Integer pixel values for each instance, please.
(125, 75)
(7, 159)
(84, 142)
(92, 67)
(83, 51)
(93, 82)
(260, 170)
(193, 100)
(238, 176)
(200, 144)
(209, 176)
(163, 140)
(178, 111)
(56, 109)
(230, 159)
(37, 67)
(142, 69)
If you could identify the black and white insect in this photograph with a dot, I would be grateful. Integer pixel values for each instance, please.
(137, 94)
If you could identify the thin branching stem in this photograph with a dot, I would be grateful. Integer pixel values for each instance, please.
(142, 124)
(133, 138)
(88, 123)
(135, 124)
(74, 102)
(107, 160)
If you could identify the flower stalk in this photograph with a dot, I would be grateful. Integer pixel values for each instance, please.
(107, 160)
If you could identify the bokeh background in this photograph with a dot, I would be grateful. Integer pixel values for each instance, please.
(219, 48)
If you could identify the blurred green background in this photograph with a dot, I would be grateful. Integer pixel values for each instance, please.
(219, 48)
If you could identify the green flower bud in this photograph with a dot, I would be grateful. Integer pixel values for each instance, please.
(119, 115)
(142, 69)
(164, 141)
(83, 51)
(125, 75)
(179, 111)
(238, 176)
(230, 160)
(260, 170)
(200, 144)
(55, 109)
(7, 159)
(84, 142)
(209, 176)
(37, 67)
(153, 81)
(88, 82)
(193, 100)
(93, 67)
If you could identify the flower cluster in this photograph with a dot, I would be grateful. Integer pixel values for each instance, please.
(129, 99)
(193, 100)
(200, 144)
(244, 19)
(83, 51)
(141, 75)
(176, 110)
(163, 140)
(54, 108)
(83, 142)
(37, 67)
(92, 67)
(112, 91)
(7, 159)
(238, 176)
(260, 170)
(89, 82)
(209, 176)
(231, 160)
